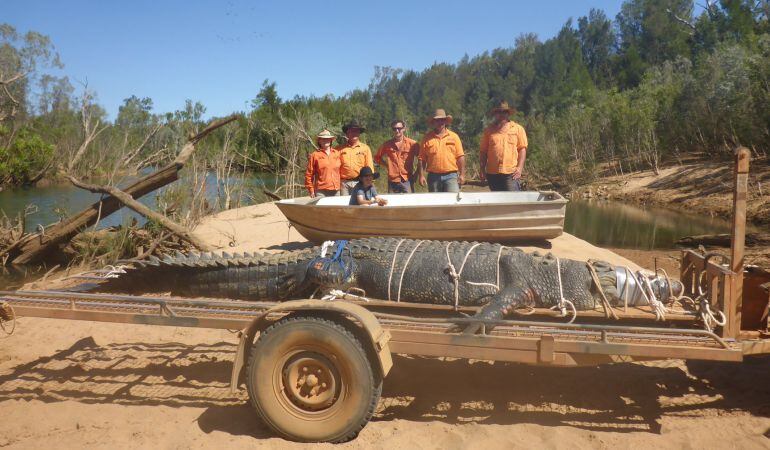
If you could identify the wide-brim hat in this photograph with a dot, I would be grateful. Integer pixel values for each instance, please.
(366, 170)
(353, 124)
(502, 107)
(325, 134)
(440, 114)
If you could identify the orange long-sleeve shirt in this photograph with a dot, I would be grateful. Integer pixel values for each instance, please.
(353, 158)
(323, 171)
(502, 146)
(440, 153)
(400, 158)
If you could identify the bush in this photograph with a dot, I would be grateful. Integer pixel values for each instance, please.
(24, 158)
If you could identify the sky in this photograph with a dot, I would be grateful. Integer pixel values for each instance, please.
(219, 52)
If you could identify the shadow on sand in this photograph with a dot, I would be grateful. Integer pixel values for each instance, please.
(621, 397)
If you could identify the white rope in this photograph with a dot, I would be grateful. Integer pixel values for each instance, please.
(325, 248)
(563, 302)
(115, 271)
(393, 265)
(710, 321)
(401, 280)
(335, 294)
(454, 273)
(496, 286)
(657, 306)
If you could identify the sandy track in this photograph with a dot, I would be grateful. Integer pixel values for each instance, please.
(75, 384)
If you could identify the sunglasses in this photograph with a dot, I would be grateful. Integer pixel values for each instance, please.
(397, 128)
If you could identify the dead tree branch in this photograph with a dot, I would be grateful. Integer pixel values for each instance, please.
(129, 201)
(35, 245)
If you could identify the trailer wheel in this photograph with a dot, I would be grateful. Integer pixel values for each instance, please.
(310, 380)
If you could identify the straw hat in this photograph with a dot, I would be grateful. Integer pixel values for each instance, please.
(502, 107)
(440, 114)
(325, 134)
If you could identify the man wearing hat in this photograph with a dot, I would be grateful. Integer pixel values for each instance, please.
(364, 193)
(354, 155)
(442, 156)
(322, 176)
(503, 150)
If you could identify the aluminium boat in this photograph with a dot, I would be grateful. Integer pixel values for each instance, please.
(465, 216)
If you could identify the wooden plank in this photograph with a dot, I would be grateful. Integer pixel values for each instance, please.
(737, 247)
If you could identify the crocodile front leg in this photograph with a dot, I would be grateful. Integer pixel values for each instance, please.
(502, 304)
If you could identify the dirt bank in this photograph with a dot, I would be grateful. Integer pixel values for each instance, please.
(703, 188)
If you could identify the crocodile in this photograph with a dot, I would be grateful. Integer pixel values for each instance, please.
(496, 278)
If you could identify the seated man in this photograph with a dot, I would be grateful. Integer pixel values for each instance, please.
(364, 193)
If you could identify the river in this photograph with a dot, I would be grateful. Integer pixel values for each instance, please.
(603, 223)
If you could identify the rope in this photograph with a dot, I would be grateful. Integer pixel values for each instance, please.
(608, 311)
(393, 265)
(401, 280)
(454, 274)
(710, 321)
(335, 294)
(563, 302)
(657, 306)
(497, 284)
(7, 314)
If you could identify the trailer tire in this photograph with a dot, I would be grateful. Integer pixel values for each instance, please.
(310, 380)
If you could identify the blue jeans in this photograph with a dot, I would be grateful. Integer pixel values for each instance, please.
(399, 187)
(503, 182)
(443, 182)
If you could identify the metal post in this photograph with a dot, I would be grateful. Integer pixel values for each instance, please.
(740, 192)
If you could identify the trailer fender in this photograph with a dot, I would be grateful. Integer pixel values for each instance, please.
(373, 336)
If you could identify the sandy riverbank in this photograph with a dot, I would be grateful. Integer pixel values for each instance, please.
(68, 384)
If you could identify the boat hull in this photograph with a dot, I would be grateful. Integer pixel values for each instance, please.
(494, 217)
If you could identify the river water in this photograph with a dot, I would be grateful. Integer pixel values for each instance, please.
(603, 223)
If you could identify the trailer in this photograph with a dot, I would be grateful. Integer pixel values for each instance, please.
(314, 368)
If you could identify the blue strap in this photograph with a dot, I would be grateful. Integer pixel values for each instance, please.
(340, 247)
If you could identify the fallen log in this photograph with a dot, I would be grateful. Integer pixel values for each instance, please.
(720, 240)
(129, 201)
(33, 246)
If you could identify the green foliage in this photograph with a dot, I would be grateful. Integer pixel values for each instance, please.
(655, 82)
(24, 158)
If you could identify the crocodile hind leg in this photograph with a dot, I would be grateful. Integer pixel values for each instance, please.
(502, 304)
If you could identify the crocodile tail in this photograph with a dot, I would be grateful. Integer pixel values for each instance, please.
(238, 276)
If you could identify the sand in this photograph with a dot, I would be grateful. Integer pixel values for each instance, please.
(68, 384)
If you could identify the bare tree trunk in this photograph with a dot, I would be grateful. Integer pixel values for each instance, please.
(135, 152)
(129, 201)
(90, 129)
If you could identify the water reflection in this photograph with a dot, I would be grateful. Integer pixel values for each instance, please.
(618, 225)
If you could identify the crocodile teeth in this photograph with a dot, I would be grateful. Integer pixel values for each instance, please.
(226, 255)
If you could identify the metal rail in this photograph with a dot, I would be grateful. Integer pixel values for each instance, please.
(509, 340)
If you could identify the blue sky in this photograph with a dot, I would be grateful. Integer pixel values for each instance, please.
(220, 52)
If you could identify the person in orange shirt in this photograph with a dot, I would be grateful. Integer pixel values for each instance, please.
(503, 150)
(400, 152)
(322, 177)
(354, 155)
(442, 156)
